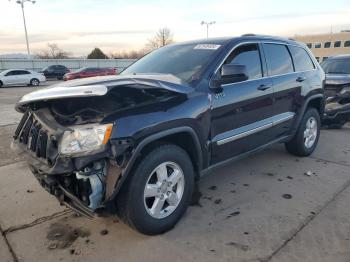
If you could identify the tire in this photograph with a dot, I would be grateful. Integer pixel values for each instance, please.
(136, 210)
(34, 82)
(1, 84)
(299, 145)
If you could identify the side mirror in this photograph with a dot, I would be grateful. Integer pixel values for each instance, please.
(232, 73)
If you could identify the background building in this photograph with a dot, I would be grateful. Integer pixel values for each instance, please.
(326, 45)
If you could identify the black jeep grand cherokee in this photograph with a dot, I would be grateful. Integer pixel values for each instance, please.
(137, 142)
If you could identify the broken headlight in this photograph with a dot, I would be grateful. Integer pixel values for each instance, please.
(85, 139)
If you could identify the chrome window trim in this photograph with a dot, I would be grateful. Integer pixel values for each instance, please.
(263, 42)
(284, 117)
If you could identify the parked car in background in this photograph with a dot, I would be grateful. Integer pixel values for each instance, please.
(89, 72)
(136, 143)
(21, 77)
(337, 90)
(55, 71)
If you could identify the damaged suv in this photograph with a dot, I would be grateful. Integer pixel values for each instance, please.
(136, 143)
(337, 91)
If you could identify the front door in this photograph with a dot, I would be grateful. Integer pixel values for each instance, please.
(242, 112)
(11, 77)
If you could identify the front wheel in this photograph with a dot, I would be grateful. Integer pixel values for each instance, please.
(306, 138)
(158, 192)
(34, 82)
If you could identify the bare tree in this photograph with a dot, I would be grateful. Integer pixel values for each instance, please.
(163, 37)
(132, 54)
(53, 52)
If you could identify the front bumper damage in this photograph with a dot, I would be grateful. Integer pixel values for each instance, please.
(337, 111)
(85, 184)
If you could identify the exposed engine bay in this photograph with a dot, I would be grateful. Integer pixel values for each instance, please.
(83, 110)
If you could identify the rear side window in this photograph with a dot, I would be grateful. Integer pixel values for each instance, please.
(302, 60)
(249, 56)
(278, 59)
(22, 72)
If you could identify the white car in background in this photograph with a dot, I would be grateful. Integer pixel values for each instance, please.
(20, 77)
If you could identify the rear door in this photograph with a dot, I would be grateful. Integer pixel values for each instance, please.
(287, 87)
(242, 111)
(23, 77)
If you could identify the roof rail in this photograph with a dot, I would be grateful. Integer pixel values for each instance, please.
(249, 35)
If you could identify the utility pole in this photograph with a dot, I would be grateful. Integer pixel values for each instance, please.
(21, 2)
(208, 24)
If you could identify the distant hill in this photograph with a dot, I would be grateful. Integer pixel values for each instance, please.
(15, 56)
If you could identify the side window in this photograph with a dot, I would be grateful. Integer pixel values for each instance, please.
(11, 73)
(22, 72)
(278, 59)
(91, 70)
(249, 56)
(301, 58)
(14, 73)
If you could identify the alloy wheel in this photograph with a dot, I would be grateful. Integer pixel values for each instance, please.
(164, 190)
(310, 133)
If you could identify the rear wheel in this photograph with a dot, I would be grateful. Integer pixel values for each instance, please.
(34, 82)
(1, 84)
(306, 138)
(158, 192)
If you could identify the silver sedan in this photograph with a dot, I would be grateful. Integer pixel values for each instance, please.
(20, 77)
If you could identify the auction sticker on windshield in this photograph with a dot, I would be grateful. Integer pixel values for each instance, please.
(207, 46)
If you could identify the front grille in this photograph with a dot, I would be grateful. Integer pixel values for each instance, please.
(31, 133)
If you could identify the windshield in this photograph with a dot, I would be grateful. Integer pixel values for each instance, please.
(182, 61)
(336, 67)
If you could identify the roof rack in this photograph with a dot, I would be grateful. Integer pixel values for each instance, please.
(249, 35)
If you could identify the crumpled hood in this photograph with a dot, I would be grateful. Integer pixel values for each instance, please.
(334, 79)
(99, 86)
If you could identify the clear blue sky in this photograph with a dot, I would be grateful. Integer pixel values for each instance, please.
(80, 25)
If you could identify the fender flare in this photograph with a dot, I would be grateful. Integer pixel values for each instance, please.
(303, 109)
(136, 153)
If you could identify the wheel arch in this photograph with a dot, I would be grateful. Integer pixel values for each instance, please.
(317, 101)
(184, 137)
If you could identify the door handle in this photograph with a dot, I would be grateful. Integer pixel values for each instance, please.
(263, 87)
(300, 79)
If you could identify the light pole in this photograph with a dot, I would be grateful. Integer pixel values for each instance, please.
(21, 2)
(208, 24)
